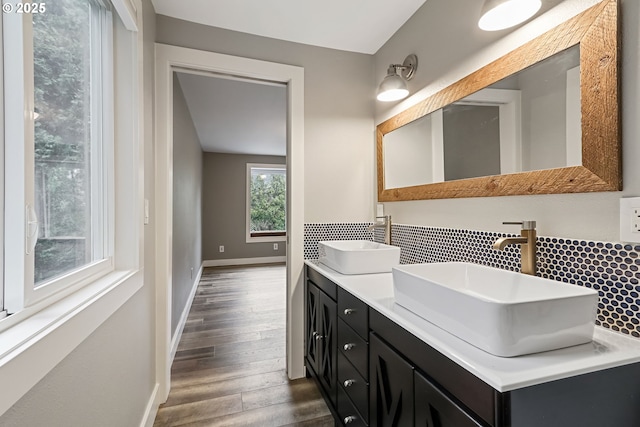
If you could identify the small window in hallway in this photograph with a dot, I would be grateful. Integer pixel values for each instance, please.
(266, 202)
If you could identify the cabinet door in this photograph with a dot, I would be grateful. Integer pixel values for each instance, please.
(434, 409)
(391, 387)
(312, 326)
(328, 331)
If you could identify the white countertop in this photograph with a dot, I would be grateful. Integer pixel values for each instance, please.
(608, 349)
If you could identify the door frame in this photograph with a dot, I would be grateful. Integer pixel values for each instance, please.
(172, 58)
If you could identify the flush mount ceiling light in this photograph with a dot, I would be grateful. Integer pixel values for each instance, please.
(394, 86)
(500, 14)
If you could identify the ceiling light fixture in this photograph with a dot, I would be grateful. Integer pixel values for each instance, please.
(394, 86)
(500, 14)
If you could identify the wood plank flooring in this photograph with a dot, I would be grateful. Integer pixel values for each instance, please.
(229, 369)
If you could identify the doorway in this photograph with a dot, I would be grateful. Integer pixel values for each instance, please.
(170, 59)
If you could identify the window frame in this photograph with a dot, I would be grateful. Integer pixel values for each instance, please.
(20, 289)
(3, 312)
(50, 330)
(268, 236)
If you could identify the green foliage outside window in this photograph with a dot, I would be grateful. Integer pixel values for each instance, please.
(268, 201)
(62, 135)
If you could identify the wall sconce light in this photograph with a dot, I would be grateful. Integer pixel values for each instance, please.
(500, 14)
(394, 86)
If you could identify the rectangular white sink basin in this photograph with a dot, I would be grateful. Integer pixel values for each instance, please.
(501, 312)
(358, 256)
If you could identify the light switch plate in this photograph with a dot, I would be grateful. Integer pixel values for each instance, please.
(146, 211)
(630, 219)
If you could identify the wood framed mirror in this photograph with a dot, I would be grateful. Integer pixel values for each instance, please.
(596, 32)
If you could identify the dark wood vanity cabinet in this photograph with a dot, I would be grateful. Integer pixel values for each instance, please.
(353, 359)
(321, 332)
(311, 326)
(391, 396)
(402, 396)
(364, 379)
(337, 348)
(373, 372)
(447, 395)
(434, 409)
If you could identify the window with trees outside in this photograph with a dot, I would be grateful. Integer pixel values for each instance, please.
(266, 202)
(57, 160)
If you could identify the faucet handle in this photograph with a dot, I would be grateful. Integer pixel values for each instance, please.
(526, 225)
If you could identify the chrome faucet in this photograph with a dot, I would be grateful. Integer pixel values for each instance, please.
(527, 242)
(386, 223)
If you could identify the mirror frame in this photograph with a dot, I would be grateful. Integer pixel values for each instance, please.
(596, 31)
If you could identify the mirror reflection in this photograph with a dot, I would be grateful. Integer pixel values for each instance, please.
(528, 121)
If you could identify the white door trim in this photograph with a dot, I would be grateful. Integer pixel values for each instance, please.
(168, 59)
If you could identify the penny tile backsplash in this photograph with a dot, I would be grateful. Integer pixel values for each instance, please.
(611, 268)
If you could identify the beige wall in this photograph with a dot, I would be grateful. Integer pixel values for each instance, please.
(587, 216)
(105, 382)
(224, 208)
(338, 114)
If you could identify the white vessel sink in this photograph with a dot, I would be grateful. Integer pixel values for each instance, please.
(503, 313)
(358, 256)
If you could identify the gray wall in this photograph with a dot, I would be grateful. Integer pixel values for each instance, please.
(544, 107)
(109, 378)
(338, 112)
(187, 205)
(471, 141)
(224, 208)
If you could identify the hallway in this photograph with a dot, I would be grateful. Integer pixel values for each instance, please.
(229, 369)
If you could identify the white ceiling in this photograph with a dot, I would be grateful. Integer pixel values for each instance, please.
(352, 25)
(242, 117)
(237, 116)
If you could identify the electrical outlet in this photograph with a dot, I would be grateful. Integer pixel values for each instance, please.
(221, 249)
(630, 219)
(275, 246)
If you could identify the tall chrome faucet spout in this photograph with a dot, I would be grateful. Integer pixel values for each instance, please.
(527, 242)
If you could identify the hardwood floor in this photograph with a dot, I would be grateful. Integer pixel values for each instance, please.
(229, 369)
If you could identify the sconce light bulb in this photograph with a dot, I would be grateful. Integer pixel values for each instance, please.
(394, 87)
(392, 95)
(502, 14)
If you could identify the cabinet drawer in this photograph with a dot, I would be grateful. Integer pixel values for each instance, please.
(349, 415)
(354, 348)
(326, 285)
(354, 385)
(354, 312)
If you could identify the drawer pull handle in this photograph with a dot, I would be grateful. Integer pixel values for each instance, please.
(348, 383)
(348, 346)
(349, 419)
(349, 311)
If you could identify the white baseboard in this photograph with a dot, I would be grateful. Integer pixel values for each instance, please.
(183, 318)
(244, 261)
(151, 410)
